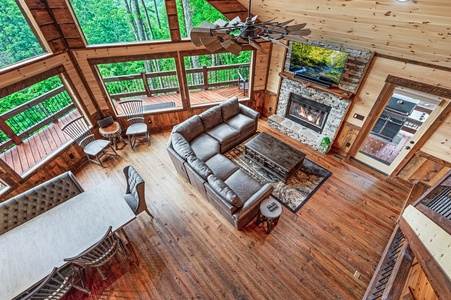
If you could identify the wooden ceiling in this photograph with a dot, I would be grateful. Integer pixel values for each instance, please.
(417, 30)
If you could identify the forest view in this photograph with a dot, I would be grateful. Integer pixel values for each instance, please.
(105, 22)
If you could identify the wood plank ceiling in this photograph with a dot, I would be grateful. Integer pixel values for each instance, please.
(416, 30)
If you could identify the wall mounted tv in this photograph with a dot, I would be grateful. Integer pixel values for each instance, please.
(317, 64)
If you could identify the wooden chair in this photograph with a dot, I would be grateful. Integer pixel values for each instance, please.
(94, 149)
(134, 196)
(243, 79)
(133, 109)
(100, 253)
(57, 284)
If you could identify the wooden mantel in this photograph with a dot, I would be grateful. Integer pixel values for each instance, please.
(332, 90)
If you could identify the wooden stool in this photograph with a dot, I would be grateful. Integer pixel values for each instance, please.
(113, 132)
(270, 216)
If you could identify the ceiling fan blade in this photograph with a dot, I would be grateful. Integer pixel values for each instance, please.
(207, 25)
(296, 27)
(285, 23)
(278, 43)
(294, 38)
(232, 46)
(211, 43)
(276, 36)
(197, 33)
(268, 22)
(220, 23)
(256, 45)
(254, 18)
(236, 21)
(302, 32)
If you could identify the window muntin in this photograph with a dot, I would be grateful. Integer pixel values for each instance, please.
(17, 40)
(214, 77)
(34, 117)
(119, 21)
(154, 81)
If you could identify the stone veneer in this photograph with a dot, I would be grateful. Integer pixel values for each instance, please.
(352, 74)
(299, 132)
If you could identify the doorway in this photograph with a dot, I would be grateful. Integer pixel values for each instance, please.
(405, 117)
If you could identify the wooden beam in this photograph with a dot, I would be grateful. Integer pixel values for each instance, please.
(173, 20)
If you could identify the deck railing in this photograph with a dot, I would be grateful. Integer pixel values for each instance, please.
(155, 83)
(23, 121)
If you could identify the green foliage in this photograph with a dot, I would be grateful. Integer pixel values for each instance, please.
(17, 41)
(109, 21)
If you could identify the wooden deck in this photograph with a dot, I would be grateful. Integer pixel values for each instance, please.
(37, 147)
(189, 251)
(196, 97)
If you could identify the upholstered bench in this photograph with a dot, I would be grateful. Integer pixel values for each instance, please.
(21, 208)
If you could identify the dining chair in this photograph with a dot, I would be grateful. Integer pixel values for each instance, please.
(133, 110)
(134, 195)
(101, 252)
(57, 284)
(94, 149)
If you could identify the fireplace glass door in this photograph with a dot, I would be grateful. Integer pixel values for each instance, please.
(307, 112)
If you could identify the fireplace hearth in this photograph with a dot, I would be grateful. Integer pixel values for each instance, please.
(306, 112)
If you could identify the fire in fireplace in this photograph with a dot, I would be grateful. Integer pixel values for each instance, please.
(307, 112)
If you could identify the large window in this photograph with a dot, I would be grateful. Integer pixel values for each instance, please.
(114, 21)
(216, 77)
(31, 121)
(154, 81)
(17, 40)
(192, 13)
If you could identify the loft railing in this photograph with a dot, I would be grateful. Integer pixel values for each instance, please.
(156, 83)
(393, 268)
(27, 119)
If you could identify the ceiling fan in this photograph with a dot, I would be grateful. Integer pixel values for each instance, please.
(234, 34)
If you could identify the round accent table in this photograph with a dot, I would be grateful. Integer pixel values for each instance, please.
(113, 132)
(270, 211)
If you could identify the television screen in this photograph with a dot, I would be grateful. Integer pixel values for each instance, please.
(317, 63)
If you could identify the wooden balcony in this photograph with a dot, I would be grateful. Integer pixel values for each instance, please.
(35, 148)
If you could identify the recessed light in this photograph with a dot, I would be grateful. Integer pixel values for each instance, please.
(402, 0)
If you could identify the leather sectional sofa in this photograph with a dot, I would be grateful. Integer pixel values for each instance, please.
(196, 146)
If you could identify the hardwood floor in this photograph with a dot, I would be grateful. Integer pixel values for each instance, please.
(190, 251)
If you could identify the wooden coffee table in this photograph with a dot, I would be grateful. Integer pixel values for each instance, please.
(273, 155)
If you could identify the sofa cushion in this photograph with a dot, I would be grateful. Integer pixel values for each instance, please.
(211, 117)
(241, 122)
(199, 166)
(243, 185)
(204, 146)
(221, 166)
(230, 108)
(190, 128)
(181, 146)
(224, 191)
(224, 133)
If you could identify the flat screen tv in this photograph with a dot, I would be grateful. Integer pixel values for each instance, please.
(317, 64)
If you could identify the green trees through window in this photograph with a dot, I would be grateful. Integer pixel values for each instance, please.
(17, 41)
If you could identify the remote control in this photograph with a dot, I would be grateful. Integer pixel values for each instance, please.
(273, 207)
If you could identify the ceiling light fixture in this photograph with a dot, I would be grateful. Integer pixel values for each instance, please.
(233, 35)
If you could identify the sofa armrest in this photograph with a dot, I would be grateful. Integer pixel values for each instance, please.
(252, 205)
(247, 111)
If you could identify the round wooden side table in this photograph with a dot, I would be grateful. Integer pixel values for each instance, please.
(270, 211)
(113, 132)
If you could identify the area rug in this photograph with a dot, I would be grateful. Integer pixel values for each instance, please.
(298, 188)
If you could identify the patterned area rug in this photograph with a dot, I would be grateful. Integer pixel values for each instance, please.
(298, 188)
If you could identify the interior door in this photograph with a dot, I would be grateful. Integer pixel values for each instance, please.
(404, 119)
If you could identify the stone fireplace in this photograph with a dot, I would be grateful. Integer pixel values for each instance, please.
(309, 113)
